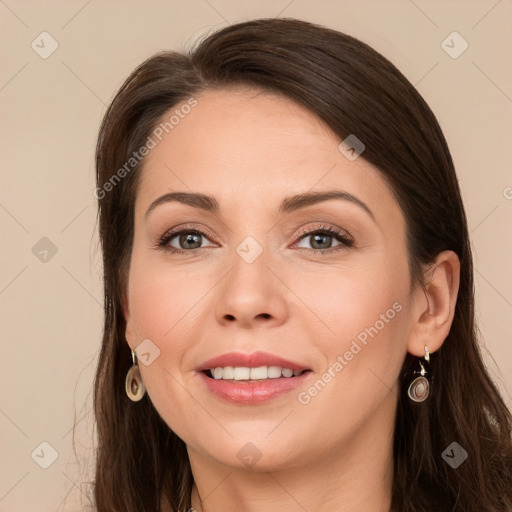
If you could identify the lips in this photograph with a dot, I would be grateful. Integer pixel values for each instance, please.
(236, 388)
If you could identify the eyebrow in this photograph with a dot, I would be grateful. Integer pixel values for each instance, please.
(197, 200)
(288, 205)
(291, 204)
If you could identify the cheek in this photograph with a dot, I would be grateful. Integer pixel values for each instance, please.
(163, 298)
(164, 304)
(362, 363)
(361, 335)
(343, 301)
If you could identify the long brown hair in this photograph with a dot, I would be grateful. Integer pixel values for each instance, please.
(354, 90)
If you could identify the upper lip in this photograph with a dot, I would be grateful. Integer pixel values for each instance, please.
(252, 360)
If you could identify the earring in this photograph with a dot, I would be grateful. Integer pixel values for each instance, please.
(419, 388)
(134, 386)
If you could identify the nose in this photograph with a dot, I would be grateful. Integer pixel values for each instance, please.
(252, 293)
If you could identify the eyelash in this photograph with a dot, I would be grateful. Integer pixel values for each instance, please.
(345, 240)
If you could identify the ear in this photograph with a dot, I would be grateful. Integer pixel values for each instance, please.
(130, 328)
(434, 306)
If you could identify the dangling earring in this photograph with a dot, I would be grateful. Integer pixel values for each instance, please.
(134, 386)
(419, 388)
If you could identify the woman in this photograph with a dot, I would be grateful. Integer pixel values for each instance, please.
(289, 311)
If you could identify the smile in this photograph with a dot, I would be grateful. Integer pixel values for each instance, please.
(251, 379)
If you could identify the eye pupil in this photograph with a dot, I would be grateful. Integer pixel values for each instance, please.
(318, 236)
(190, 238)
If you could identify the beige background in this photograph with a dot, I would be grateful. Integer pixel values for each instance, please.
(51, 110)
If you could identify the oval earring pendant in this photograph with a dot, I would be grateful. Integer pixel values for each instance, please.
(134, 386)
(419, 389)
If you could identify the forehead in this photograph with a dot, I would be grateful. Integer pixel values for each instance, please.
(251, 148)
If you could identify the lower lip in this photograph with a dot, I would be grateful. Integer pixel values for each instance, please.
(252, 392)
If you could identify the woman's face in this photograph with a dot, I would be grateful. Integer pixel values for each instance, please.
(259, 273)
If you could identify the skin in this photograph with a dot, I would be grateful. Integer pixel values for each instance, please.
(250, 150)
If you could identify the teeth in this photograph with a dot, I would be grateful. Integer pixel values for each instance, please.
(217, 373)
(274, 372)
(226, 373)
(259, 373)
(240, 373)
